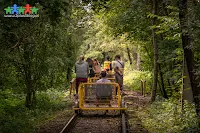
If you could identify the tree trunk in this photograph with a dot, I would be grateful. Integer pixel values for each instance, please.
(134, 56)
(162, 83)
(186, 88)
(68, 74)
(138, 61)
(28, 99)
(129, 55)
(165, 7)
(28, 75)
(155, 78)
(34, 98)
(30, 94)
(188, 52)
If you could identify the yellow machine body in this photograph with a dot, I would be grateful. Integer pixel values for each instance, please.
(94, 79)
(87, 99)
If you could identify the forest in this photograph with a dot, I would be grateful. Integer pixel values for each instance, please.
(157, 39)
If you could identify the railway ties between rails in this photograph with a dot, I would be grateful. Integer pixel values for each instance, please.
(97, 123)
(96, 98)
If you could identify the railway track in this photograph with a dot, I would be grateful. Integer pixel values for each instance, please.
(96, 123)
(69, 124)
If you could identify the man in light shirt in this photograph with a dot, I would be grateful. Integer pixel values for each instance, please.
(118, 63)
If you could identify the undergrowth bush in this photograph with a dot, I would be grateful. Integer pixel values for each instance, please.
(133, 77)
(16, 118)
(165, 116)
(50, 99)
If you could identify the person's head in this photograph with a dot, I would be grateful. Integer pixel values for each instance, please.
(103, 74)
(116, 69)
(90, 61)
(117, 57)
(81, 58)
(107, 58)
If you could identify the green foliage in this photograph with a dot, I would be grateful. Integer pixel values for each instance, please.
(94, 54)
(132, 79)
(15, 118)
(120, 26)
(165, 116)
(50, 99)
(128, 25)
(39, 53)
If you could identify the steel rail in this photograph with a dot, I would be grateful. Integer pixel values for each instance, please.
(69, 124)
(124, 124)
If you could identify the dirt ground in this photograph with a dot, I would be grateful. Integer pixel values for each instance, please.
(56, 124)
(100, 121)
(134, 100)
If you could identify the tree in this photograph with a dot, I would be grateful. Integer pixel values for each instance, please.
(154, 36)
(38, 52)
(188, 52)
